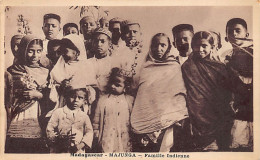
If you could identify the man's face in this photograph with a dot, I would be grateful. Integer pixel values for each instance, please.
(51, 28)
(70, 30)
(116, 31)
(236, 31)
(133, 34)
(69, 54)
(101, 45)
(183, 42)
(87, 26)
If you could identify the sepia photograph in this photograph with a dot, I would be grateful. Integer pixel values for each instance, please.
(102, 81)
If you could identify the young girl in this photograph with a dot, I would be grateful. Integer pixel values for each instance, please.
(28, 99)
(72, 67)
(160, 100)
(111, 122)
(70, 129)
(208, 95)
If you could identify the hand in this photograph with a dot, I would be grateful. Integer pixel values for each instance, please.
(31, 94)
(75, 148)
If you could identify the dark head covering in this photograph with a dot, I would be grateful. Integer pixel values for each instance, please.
(51, 15)
(182, 27)
(236, 21)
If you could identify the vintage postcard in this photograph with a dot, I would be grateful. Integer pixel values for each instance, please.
(130, 79)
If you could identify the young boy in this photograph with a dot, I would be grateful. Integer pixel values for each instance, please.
(53, 52)
(182, 36)
(70, 28)
(70, 129)
(51, 29)
(87, 25)
(240, 64)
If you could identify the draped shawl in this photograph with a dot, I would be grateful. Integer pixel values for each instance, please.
(160, 100)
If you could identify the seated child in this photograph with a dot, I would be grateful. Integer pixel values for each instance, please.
(111, 123)
(208, 95)
(53, 52)
(70, 28)
(240, 65)
(70, 129)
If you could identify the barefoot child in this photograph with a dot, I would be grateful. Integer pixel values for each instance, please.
(69, 128)
(112, 117)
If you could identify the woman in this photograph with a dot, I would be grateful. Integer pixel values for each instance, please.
(28, 99)
(160, 100)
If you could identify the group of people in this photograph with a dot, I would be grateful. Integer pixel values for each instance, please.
(105, 94)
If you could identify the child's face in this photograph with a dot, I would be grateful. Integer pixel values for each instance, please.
(15, 45)
(104, 24)
(236, 31)
(87, 26)
(76, 100)
(183, 42)
(69, 54)
(34, 53)
(202, 48)
(51, 28)
(70, 30)
(117, 86)
(101, 45)
(54, 53)
(215, 48)
(159, 47)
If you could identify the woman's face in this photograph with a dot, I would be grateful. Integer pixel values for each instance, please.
(202, 47)
(69, 54)
(159, 47)
(34, 53)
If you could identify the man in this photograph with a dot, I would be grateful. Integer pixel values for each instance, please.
(115, 29)
(182, 36)
(51, 28)
(87, 25)
(134, 56)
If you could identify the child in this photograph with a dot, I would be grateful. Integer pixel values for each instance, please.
(160, 100)
(53, 52)
(240, 64)
(28, 99)
(15, 41)
(111, 123)
(70, 28)
(217, 46)
(71, 67)
(104, 23)
(208, 95)
(69, 128)
(182, 35)
(51, 29)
